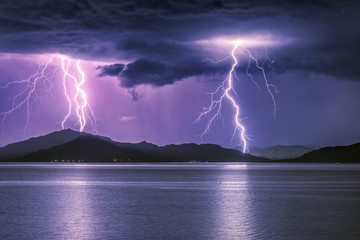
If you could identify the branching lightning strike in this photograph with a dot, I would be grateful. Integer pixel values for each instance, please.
(40, 84)
(226, 88)
(82, 108)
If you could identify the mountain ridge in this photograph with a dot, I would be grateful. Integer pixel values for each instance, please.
(69, 145)
(22, 148)
(93, 148)
(337, 154)
(278, 152)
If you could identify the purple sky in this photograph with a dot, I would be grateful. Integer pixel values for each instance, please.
(146, 78)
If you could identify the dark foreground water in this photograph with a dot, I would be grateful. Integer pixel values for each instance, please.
(179, 201)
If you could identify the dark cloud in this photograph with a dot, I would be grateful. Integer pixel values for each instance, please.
(145, 71)
(158, 49)
(331, 53)
(111, 70)
(134, 94)
(157, 74)
(324, 32)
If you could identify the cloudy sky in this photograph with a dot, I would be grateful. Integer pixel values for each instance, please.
(147, 77)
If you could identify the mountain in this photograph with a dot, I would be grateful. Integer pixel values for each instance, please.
(339, 154)
(207, 152)
(90, 148)
(35, 144)
(282, 151)
(69, 145)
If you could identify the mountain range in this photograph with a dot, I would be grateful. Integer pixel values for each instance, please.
(72, 146)
(69, 145)
(337, 154)
(283, 151)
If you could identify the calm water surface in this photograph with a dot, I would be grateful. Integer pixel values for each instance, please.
(179, 201)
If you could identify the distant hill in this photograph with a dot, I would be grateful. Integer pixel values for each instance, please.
(282, 151)
(69, 145)
(339, 154)
(35, 144)
(90, 148)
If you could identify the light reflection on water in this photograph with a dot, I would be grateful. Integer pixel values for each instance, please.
(179, 201)
(74, 216)
(233, 211)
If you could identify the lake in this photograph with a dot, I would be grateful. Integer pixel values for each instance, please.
(179, 201)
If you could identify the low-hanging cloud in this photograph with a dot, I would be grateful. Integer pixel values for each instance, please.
(134, 94)
(157, 74)
(127, 118)
(110, 70)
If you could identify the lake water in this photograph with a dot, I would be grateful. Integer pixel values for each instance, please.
(179, 201)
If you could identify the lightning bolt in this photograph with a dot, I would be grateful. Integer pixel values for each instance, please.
(226, 91)
(40, 84)
(82, 108)
(30, 93)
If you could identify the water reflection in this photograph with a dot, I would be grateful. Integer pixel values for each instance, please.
(235, 166)
(72, 212)
(179, 201)
(234, 219)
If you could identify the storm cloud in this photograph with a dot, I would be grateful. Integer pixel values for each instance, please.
(157, 74)
(110, 70)
(157, 37)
